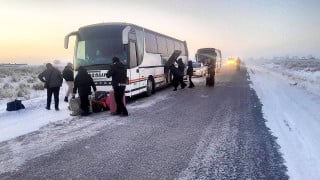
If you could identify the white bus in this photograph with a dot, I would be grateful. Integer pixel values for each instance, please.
(143, 51)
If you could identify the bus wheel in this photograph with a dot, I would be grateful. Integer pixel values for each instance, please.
(150, 87)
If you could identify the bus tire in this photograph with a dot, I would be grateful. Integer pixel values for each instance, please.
(150, 87)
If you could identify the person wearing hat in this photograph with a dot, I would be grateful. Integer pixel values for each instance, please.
(118, 72)
(52, 78)
(67, 74)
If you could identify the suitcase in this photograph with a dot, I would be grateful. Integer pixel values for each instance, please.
(112, 102)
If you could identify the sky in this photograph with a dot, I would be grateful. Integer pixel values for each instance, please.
(32, 31)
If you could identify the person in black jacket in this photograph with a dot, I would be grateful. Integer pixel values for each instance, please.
(83, 83)
(52, 78)
(67, 74)
(118, 72)
(181, 67)
(176, 76)
(190, 74)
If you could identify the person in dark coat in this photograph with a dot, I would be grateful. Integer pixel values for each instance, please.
(83, 83)
(52, 78)
(67, 74)
(210, 80)
(190, 74)
(176, 76)
(118, 72)
(181, 68)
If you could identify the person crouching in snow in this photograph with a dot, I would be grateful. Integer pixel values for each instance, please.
(68, 77)
(83, 83)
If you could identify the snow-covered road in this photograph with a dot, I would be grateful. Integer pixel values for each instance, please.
(292, 114)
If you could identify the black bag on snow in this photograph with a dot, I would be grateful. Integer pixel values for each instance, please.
(15, 105)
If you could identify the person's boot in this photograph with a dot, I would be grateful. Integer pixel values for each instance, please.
(66, 99)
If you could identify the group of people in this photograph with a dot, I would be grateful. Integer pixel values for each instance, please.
(82, 84)
(178, 73)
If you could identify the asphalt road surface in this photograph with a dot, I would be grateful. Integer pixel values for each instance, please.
(199, 133)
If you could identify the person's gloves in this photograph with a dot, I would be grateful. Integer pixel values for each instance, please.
(73, 96)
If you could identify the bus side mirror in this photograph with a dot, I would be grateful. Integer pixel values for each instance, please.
(66, 38)
(66, 42)
(125, 35)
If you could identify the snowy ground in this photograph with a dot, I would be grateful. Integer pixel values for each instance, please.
(290, 94)
(16, 123)
(35, 131)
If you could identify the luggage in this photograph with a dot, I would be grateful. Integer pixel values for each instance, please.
(112, 102)
(98, 102)
(74, 106)
(98, 105)
(98, 95)
(106, 101)
(15, 105)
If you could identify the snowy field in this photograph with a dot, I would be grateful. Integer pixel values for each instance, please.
(22, 83)
(290, 93)
(288, 89)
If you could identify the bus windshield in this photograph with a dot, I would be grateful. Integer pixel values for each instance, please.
(97, 48)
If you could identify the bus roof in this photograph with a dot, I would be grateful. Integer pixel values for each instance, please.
(206, 50)
(123, 25)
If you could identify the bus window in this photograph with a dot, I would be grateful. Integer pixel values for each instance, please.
(170, 46)
(133, 55)
(183, 49)
(97, 48)
(140, 45)
(162, 45)
(151, 43)
(177, 46)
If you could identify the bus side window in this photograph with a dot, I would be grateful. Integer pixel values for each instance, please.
(133, 55)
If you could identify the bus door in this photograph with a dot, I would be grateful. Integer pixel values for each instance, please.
(134, 77)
